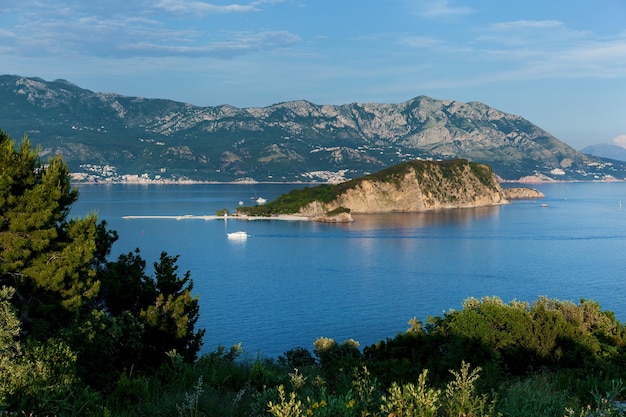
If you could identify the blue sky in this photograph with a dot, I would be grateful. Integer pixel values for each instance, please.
(559, 63)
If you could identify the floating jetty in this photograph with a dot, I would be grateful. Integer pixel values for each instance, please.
(184, 217)
(292, 217)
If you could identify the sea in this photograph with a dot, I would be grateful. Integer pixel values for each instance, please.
(292, 282)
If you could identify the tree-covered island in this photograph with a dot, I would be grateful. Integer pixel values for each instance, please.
(410, 186)
(85, 335)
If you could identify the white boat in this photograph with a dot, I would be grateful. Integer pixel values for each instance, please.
(240, 235)
(261, 200)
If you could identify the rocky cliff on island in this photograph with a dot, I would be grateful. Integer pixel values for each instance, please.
(522, 193)
(412, 186)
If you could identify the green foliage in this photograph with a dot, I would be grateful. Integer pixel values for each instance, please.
(161, 310)
(409, 400)
(297, 358)
(83, 320)
(115, 340)
(128, 393)
(403, 357)
(172, 317)
(549, 333)
(220, 383)
(222, 370)
(125, 286)
(9, 347)
(484, 173)
(338, 211)
(262, 376)
(504, 331)
(337, 361)
(222, 212)
(291, 202)
(537, 395)
(46, 257)
(582, 344)
(42, 378)
(366, 393)
(286, 407)
(189, 408)
(606, 404)
(461, 397)
(364, 398)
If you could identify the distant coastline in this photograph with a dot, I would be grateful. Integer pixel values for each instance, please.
(192, 182)
(196, 182)
(81, 178)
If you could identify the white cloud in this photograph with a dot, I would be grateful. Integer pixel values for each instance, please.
(536, 49)
(620, 141)
(199, 7)
(544, 33)
(434, 9)
(88, 30)
(525, 24)
(425, 42)
(7, 34)
(238, 44)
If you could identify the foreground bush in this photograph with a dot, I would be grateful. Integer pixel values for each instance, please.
(337, 380)
(508, 340)
(401, 400)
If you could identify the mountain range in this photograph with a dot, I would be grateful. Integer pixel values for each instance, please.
(111, 137)
(606, 150)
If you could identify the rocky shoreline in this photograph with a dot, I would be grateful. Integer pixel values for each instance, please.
(522, 193)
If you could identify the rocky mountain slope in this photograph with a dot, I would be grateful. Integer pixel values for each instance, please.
(413, 187)
(109, 137)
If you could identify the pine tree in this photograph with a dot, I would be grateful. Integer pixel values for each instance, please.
(63, 288)
(172, 317)
(44, 255)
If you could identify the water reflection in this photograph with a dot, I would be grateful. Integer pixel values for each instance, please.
(452, 217)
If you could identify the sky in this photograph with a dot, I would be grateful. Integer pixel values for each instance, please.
(561, 64)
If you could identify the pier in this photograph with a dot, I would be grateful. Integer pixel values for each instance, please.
(290, 217)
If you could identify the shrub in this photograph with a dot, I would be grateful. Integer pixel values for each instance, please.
(461, 398)
(409, 400)
(606, 404)
(297, 358)
(338, 361)
(286, 407)
(535, 396)
(337, 211)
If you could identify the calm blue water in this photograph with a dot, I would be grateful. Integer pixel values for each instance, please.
(292, 282)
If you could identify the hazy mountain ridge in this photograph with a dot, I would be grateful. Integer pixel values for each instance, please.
(107, 136)
(606, 150)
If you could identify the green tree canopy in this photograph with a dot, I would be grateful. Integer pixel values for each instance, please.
(71, 303)
(44, 255)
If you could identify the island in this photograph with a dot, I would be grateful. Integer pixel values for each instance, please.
(522, 193)
(411, 186)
